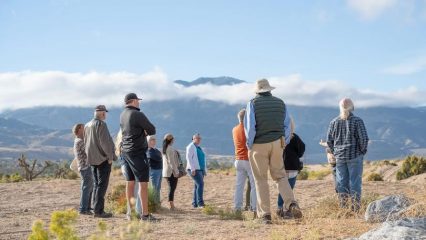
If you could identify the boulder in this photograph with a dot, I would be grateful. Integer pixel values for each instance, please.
(407, 228)
(387, 208)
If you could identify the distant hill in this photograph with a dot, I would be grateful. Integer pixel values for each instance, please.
(218, 81)
(394, 132)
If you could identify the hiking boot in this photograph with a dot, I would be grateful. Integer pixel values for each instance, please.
(149, 218)
(294, 209)
(279, 212)
(286, 215)
(102, 215)
(85, 213)
(267, 219)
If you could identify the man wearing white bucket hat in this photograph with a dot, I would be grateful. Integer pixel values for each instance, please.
(267, 128)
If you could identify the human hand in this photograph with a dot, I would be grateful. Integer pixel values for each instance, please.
(193, 173)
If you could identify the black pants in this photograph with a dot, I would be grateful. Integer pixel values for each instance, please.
(101, 179)
(173, 181)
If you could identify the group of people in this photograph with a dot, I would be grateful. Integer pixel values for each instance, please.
(264, 140)
(140, 161)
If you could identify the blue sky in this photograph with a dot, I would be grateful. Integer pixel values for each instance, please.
(378, 45)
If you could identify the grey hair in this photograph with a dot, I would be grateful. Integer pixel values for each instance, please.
(346, 107)
(241, 115)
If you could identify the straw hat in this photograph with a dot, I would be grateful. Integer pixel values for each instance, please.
(262, 86)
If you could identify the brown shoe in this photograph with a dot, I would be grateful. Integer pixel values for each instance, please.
(294, 209)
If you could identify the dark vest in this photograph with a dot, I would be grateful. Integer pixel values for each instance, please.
(269, 115)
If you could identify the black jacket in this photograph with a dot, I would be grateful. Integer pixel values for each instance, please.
(133, 125)
(293, 152)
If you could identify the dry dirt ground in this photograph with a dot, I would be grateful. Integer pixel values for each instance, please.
(22, 203)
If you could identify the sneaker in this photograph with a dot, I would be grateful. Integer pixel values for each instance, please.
(294, 209)
(102, 215)
(149, 218)
(267, 219)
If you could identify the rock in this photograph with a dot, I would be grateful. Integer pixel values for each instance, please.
(407, 228)
(385, 209)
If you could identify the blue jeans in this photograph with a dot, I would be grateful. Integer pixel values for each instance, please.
(349, 181)
(86, 189)
(155, 176)
(280, 202)
(198, 201)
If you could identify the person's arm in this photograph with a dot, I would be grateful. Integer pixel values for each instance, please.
(362, 136)
(145, 124)
(106, 143)
(80, 153)
(192, 158)
(250, 124)
(287, 131)
(330, 137)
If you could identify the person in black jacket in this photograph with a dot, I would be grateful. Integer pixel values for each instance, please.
(291, 157)
(135, 127)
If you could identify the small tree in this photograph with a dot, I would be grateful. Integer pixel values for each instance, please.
(30, 170)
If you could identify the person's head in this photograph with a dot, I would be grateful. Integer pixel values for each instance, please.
(196, 138)
(262, 86)
(78, 130)
(346, 107)
(131, 99)
(100, 112)
(241, 115)
(152, 141)
(167, 141)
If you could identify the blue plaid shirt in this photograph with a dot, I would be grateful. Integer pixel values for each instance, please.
(347, 139)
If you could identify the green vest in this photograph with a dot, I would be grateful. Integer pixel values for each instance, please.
(269, 115)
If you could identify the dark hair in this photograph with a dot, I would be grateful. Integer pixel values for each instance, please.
(166, 143)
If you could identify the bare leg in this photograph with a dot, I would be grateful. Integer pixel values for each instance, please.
(143, 194)
(130, 186)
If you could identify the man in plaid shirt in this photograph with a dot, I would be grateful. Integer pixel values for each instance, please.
(347, 140)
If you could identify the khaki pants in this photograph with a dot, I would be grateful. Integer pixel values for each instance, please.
(264, 157)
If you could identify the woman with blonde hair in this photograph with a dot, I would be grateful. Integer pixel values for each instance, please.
(170, 167)
(292, 163)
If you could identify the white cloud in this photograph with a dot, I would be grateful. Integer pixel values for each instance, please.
(409, 67)
(55, 88)
(370, 9)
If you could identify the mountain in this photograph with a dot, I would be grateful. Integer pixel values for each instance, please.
(219, 81)
(394, 132)
(17, 137)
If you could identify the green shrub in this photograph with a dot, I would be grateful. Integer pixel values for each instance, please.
(374, 177)
(60, 227)
(388, 163)
(153, 206)
(411, 166)
(228, 214)
(16, 177)
(209, 210)
(303, 175)
(116, 201)
(318, 175)
(38, 231)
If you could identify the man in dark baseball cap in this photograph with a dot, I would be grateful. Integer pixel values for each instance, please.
(101, 108)
(131, 96)
(135, 126)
